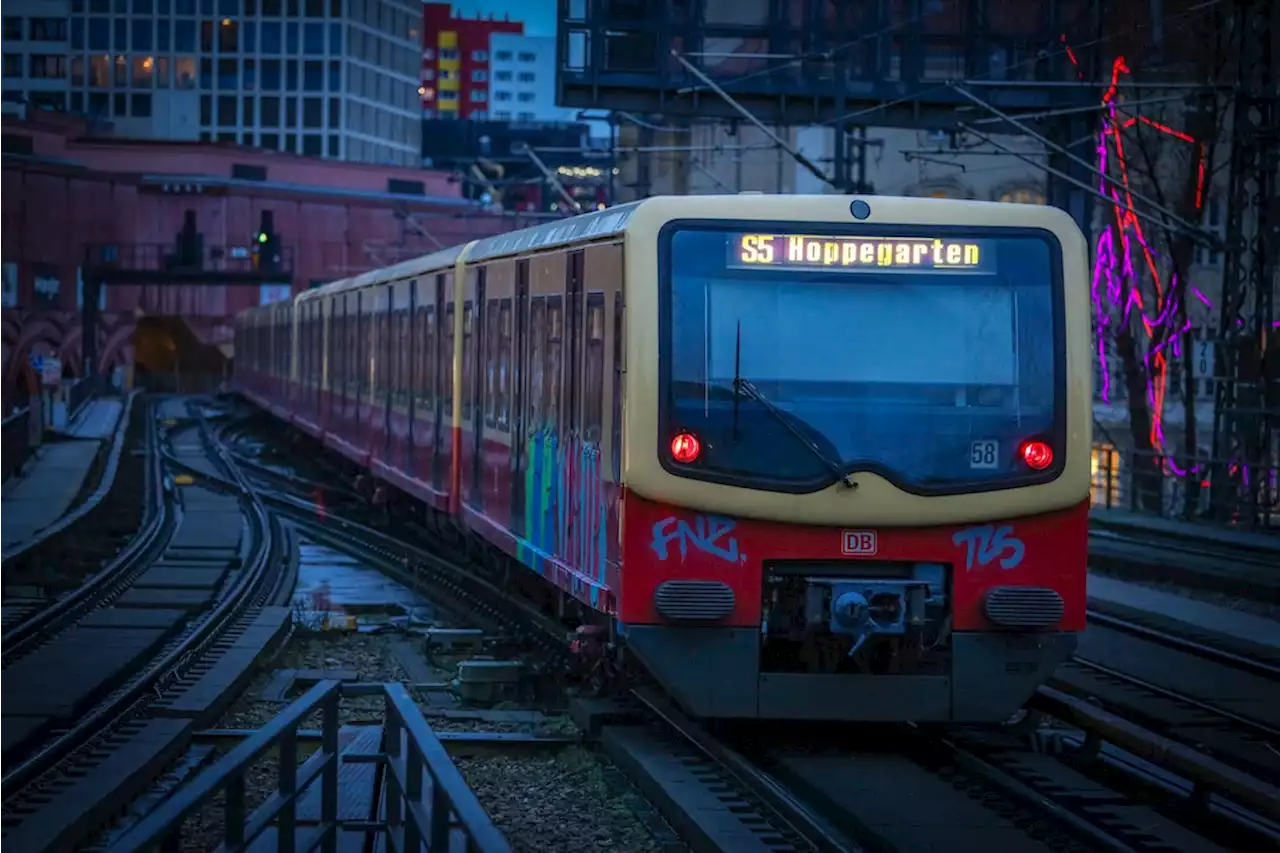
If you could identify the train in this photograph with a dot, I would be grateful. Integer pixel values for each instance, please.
(799, 457)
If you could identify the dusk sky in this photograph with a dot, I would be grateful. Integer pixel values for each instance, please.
(539, 16)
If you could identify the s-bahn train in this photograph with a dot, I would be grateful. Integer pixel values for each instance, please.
(804, 457)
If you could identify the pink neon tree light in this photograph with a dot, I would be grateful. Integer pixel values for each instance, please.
(1123, 250)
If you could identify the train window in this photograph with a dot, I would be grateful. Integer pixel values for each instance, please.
(338, 347)
(491, 342)
(427, 355)
(555, 339)
(421, 347)
(468, 389)
(353, 345)
(505, 332)
(446, 353)
(593, 388)
(404, 343)
(616, 438)
(537, 363)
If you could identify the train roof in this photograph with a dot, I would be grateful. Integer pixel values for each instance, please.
(414, 266)
(587, 226)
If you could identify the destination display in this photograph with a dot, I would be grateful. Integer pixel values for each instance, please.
(869, 254)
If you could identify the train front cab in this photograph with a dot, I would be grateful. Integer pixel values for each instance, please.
(946, 580)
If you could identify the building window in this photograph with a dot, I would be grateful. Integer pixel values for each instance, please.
(446, 74)
(503, 56)
(13, 64)
(1023, 195)
(525, 97)
(1212, 221)
(44, 29)
(480, 56)
(479, 76)
(448, 96)
(313, 113)
(503, 76)
(227, 105)
(525, 117)
(334, 144)
(479, 115)
(12, 28)
(143, 71)
(526, 56)
(428, 53)
(120, 104)
(502, 96)
(48, 66)
(312, 144)
(527, 77)
(56, 101)
(448, 53)
(141, 106)
(428, 74)
(479, 95)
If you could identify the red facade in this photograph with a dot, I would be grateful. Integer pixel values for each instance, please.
(466, 41)
(333, 220)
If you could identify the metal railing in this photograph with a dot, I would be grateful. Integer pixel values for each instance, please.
(82, 391)
(14, 442)
(426, 800)
(1215, 491)
(195, 258)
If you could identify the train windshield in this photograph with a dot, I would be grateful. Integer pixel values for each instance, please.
(796, 358)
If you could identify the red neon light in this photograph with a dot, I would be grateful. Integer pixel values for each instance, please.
(1126, 225)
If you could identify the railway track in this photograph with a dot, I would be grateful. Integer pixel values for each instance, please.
(84, 545)
(1086, 779)
(1243, 567)
(110, 690)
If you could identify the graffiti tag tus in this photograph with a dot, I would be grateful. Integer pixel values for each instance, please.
(989, 543)
(709, 534)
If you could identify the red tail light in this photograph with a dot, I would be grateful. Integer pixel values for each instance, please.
(685, 447)
(1037, 454)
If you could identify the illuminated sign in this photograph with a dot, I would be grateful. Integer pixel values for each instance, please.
(879, 254)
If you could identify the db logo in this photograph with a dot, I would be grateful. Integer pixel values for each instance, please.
(861, 542)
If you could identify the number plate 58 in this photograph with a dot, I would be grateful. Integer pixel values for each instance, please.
(984, 454)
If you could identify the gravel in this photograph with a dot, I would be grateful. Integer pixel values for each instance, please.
(557, 804)
(544, 802)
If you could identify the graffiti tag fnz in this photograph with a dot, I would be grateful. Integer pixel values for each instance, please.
(988, 544)
(707, 533)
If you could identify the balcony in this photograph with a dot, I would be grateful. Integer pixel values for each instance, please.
(165, 263)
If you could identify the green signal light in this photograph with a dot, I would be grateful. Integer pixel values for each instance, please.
(262, 237)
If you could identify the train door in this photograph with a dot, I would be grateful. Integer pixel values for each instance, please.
(389, 377)
(571, 417)
(519, 424)
(479, 384)
(412, 377)
(446, 339)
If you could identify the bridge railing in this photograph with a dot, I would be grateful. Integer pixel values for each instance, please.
(84, 390)
(428, 803)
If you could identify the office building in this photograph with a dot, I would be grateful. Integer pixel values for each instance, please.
(325, 78)
(456, 62)
(524, 79)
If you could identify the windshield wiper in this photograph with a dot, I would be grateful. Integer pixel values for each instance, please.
(746, 386)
